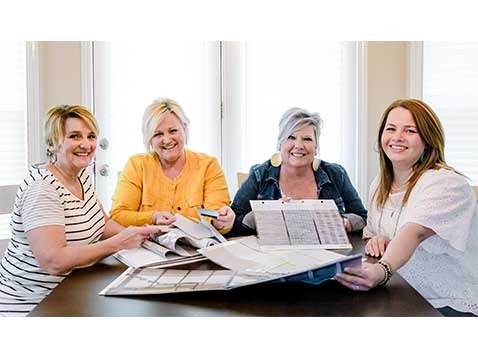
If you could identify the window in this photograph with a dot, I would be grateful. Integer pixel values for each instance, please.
(18, 106)
(234, 94)
(13, 150)
(450, 86)
(267, 78)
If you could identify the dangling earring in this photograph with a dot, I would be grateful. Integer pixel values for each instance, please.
(422, 156)
(316, 164)
(276, 159)
(51, 156)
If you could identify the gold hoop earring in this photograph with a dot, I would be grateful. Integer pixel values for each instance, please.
(276, 159)
(315, 164)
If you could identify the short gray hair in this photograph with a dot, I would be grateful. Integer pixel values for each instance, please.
(155, 112)
(295, 119)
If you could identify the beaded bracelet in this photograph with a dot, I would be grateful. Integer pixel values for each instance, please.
(387, 270)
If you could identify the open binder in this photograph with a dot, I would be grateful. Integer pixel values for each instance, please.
(301, 224)
(246, 264)
(173, 246)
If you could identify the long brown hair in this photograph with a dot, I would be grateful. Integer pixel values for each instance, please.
(430, 130)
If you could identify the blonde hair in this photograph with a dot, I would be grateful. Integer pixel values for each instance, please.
(431, 132)
(54, 126)
(155, 113)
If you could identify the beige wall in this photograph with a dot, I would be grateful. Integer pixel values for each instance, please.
(387, 81)
(60, 74)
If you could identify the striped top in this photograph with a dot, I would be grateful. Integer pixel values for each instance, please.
(42, 200)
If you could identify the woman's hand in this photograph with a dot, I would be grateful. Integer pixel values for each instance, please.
(376, 245)
(225, 219)
(163, 218)
(347, 224)
(285, 199)
(361, 278)
(134, 236)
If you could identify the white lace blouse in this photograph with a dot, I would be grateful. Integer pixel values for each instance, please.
(444, 267)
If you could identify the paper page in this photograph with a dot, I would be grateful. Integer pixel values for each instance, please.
(157, 248)
(300, 223)
(198, 243)
(171, 240)
(191, 228)
(143, 257)
(139, 257)
(246, 256)
(158, 281)
(215, 233)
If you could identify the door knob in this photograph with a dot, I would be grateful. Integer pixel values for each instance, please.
(104, 143)
(104, 170)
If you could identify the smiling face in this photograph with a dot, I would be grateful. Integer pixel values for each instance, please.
(77, 149)
(168, 139)
(400, 139)
(299, 148)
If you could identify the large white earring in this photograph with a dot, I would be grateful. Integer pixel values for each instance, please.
(276, 159)
(316, 164)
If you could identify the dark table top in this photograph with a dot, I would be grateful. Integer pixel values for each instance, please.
(78, 295)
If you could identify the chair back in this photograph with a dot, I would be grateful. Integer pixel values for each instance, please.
(240, 178)
(7, 195)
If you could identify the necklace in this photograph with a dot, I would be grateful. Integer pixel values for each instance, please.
(394, 210)
(398, 188)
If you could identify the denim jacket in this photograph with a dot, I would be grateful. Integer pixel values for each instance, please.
(332, 183)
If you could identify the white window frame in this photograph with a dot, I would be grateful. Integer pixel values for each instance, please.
(415, 69)
(362, 141)
(34, 126)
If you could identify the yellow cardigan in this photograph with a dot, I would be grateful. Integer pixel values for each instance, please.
(143, 188)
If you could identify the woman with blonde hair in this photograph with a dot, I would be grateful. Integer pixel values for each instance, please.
(169, 178)
(57, 223)
(423, 216)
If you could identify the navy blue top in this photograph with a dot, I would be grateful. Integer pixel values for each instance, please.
(332, 181)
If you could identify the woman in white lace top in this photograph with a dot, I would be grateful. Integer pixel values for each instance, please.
(423, 216)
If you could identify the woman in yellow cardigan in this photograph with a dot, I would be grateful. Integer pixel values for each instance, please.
(169, 178)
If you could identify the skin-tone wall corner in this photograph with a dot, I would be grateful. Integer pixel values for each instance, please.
(387, 81)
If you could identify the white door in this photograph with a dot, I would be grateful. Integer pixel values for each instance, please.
(127, 76)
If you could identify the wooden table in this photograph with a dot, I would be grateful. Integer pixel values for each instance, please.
(78, 295)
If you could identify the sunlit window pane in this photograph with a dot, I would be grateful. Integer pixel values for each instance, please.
(450, 86)
(13, 154)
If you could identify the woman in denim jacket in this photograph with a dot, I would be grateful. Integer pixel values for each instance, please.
(294, 172)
